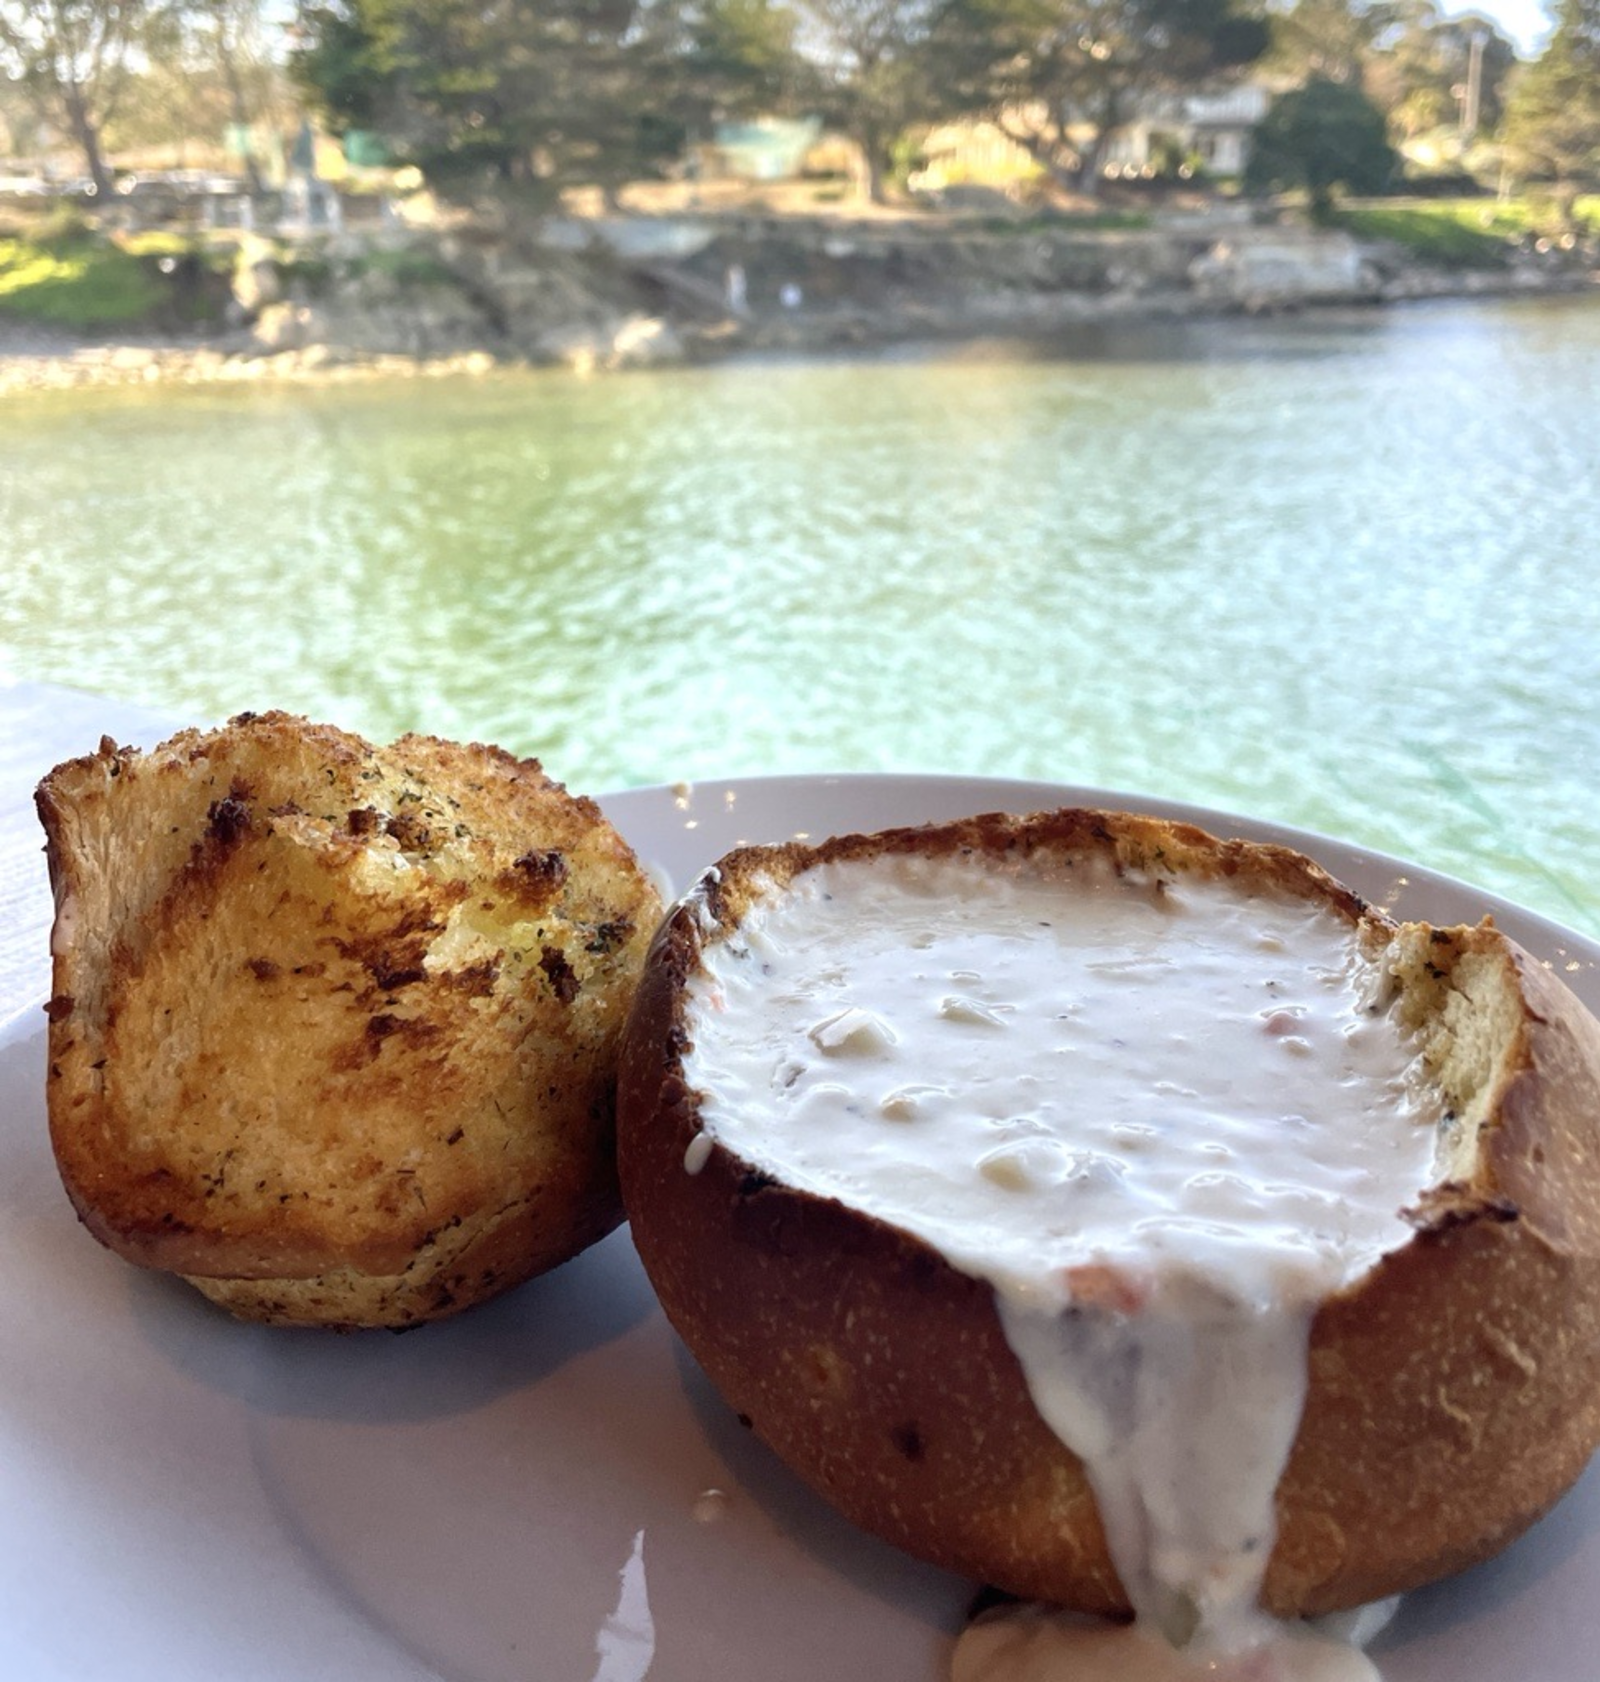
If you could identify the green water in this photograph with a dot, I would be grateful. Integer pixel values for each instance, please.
(1337, 572)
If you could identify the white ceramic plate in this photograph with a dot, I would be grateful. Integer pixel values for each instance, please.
(520, 1495)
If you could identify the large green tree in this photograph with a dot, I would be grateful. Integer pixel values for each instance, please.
(1324, 135)
(1060, 76)
(1552, 126)
(73, 57)
(513, 97)
(519, 98)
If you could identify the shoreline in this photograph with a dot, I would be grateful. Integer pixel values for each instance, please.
(678, 321)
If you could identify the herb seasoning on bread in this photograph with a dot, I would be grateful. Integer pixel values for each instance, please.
(333, 1029)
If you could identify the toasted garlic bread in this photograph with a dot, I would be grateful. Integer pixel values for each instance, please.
(333, 1027)
(1451, 1381)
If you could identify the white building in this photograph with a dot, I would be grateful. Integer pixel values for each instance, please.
(1219, 125)
(1212, 129)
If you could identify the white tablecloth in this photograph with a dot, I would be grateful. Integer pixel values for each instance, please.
(40, 725)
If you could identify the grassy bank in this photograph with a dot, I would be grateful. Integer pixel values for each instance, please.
(79, 283)
(67, 287)
(65, 274)
(1472, 233)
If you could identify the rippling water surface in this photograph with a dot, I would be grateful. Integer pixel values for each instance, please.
(1338, 572)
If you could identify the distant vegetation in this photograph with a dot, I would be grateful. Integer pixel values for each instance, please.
(513, 104)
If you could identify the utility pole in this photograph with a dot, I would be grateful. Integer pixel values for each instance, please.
(1472, 95)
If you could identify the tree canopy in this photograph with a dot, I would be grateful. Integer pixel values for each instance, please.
(1331, 40)
(523, 97)
(73, 56)
(1552, 126)
(1059, 76)
(873, 65)
(1324, 135)
(1435, 71)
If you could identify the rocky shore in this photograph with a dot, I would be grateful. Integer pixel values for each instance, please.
(634, 292)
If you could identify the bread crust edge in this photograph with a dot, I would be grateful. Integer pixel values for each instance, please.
(1454, 1391)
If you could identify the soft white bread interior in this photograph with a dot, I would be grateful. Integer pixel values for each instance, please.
(1453, 1390)
(334, 1027)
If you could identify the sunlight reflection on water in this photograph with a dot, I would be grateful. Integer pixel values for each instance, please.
(1334, 572)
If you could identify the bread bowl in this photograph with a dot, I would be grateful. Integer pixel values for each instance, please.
(1451, 1384)
(333, 1027)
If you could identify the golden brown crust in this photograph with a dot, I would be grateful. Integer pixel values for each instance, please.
(333, 1027)
(1133, 841)
(1455, 1393)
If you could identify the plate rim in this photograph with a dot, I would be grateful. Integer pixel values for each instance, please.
(1559, 938)
(657, 803)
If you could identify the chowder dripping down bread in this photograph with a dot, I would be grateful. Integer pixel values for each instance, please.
(1438, 1378)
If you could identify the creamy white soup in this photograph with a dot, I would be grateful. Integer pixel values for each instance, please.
(1182, 1106)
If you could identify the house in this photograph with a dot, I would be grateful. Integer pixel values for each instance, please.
(1220, 125)
(1210, 129)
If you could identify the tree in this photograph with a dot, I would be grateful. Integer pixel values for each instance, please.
(741, 57)
(1060, 76)
(1430, 71)
(517, 98)
(214, 75)
(342, 63)
(1324, 135)
(520, 98)
(227, 34)
(1330, 39)
(1552, 126)
(19, 116)
(872, 65)
(73, 56)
